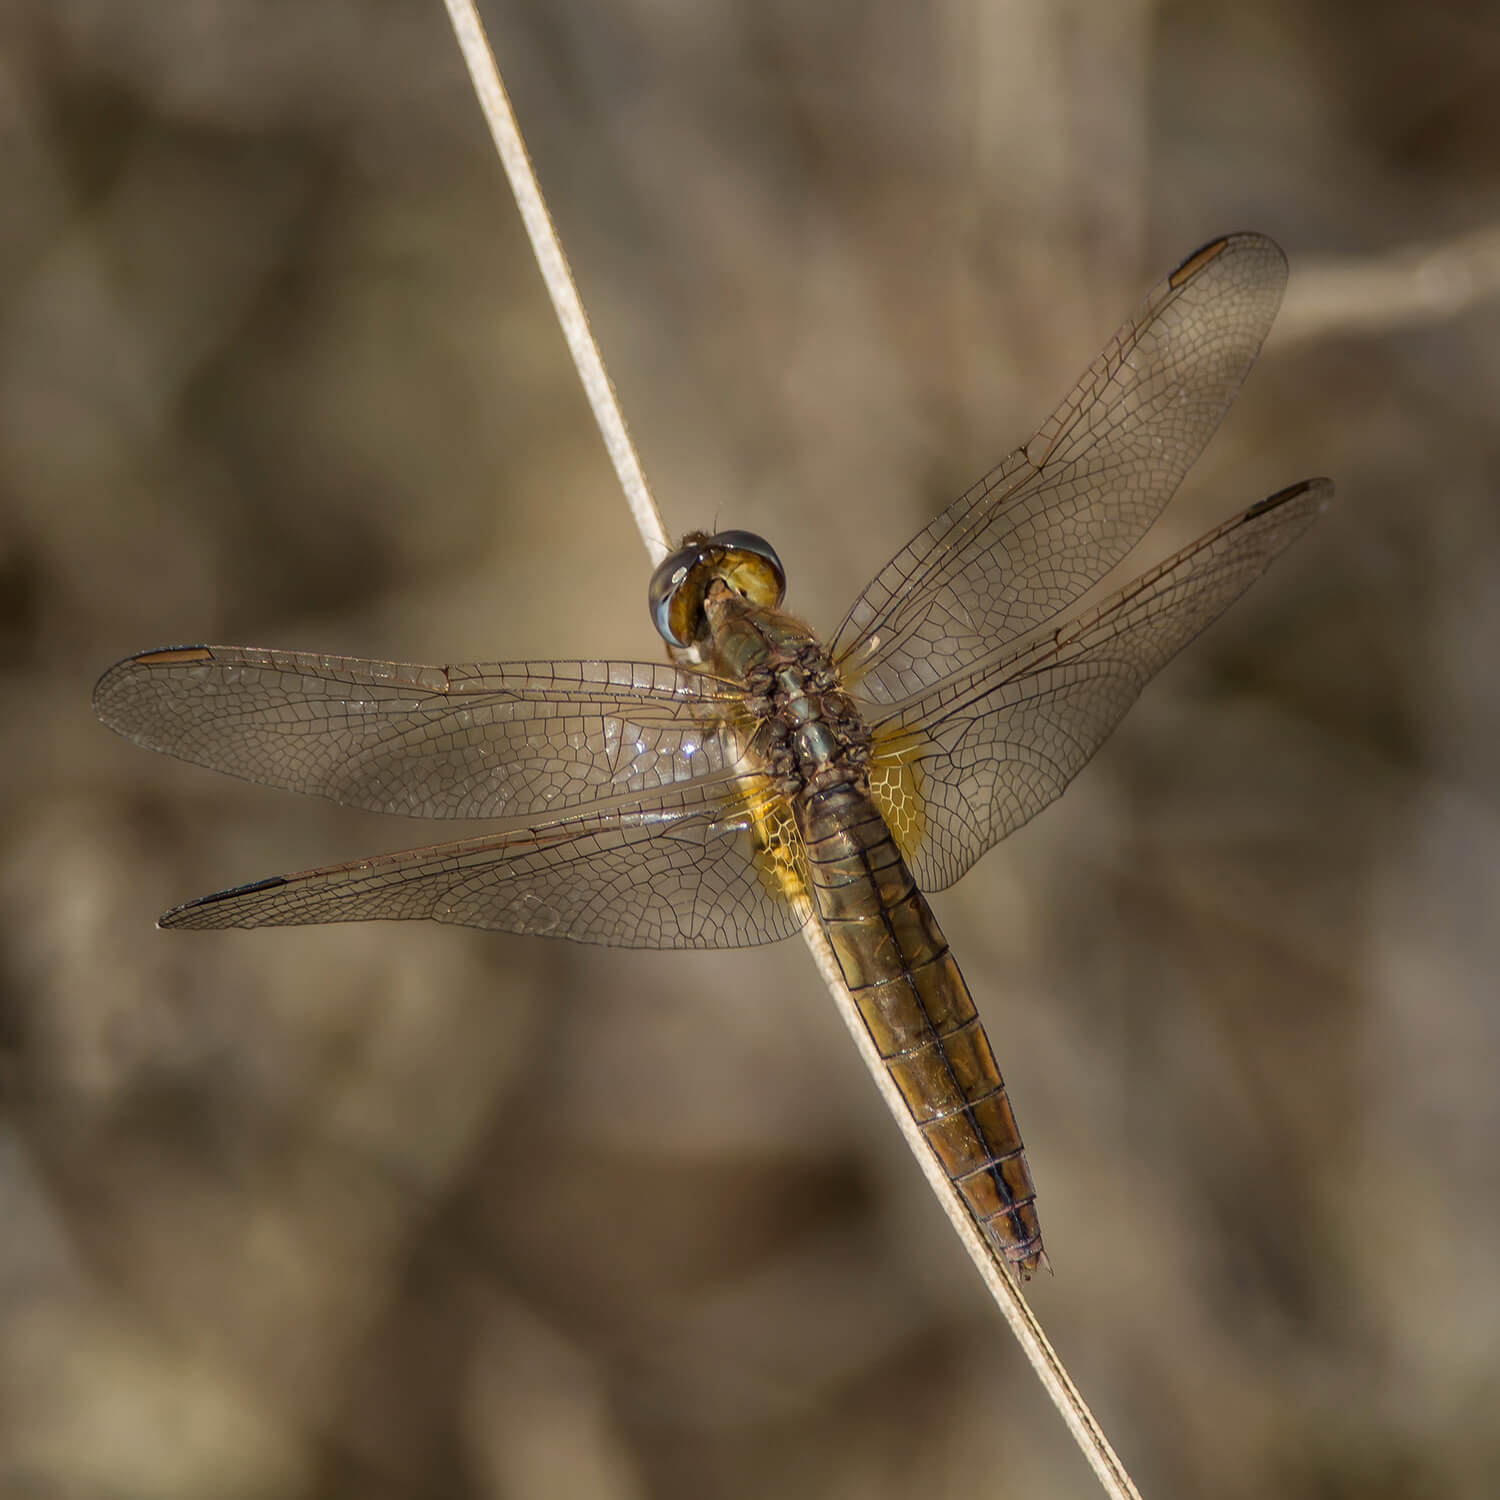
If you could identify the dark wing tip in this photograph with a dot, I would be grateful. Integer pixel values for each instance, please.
(1321, 489)
(162, 656)
(1187, 269)
(1204, 254)
(169, 656)
(178, 916)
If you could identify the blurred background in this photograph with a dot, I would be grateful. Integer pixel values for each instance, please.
(409, 1211)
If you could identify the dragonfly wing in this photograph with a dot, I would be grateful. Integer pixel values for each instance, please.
(523, 739)
(986, 750)
(713, 865)
(1054, 517)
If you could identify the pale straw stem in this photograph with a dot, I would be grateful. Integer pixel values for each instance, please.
(1050, 1370)
(475, 47)
(1003, 1288)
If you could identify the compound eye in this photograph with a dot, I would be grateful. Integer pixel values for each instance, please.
(746, 562)
(675, 597)
(750, 566)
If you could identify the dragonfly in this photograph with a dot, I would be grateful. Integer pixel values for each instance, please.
(764, 779)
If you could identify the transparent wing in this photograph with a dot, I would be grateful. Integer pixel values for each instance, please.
(1040, 530)
(516, 740)
(989, 748)
(711, 865)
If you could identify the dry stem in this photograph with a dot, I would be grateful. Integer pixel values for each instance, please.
(1003, 1288)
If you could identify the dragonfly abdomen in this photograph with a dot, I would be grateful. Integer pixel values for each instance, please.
(919, 1013)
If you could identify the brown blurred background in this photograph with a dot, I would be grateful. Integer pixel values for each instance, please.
(407, 1211)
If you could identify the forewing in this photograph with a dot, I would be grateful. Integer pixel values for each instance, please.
(988, 749)
(705, 866)
(522, 739)
(1044, 527)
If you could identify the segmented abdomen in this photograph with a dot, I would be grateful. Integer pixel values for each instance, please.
(919, 1013)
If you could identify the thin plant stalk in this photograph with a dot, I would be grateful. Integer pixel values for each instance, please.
(547, 248)
(1054, 1377)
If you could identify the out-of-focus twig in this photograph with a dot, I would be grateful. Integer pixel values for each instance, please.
(1423, 284)
(1007, 1294)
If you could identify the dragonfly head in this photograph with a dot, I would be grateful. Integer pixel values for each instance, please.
(746, 562)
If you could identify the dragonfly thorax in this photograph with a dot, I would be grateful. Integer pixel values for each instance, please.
(811, 735)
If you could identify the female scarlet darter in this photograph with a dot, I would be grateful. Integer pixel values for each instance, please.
(786, 781)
